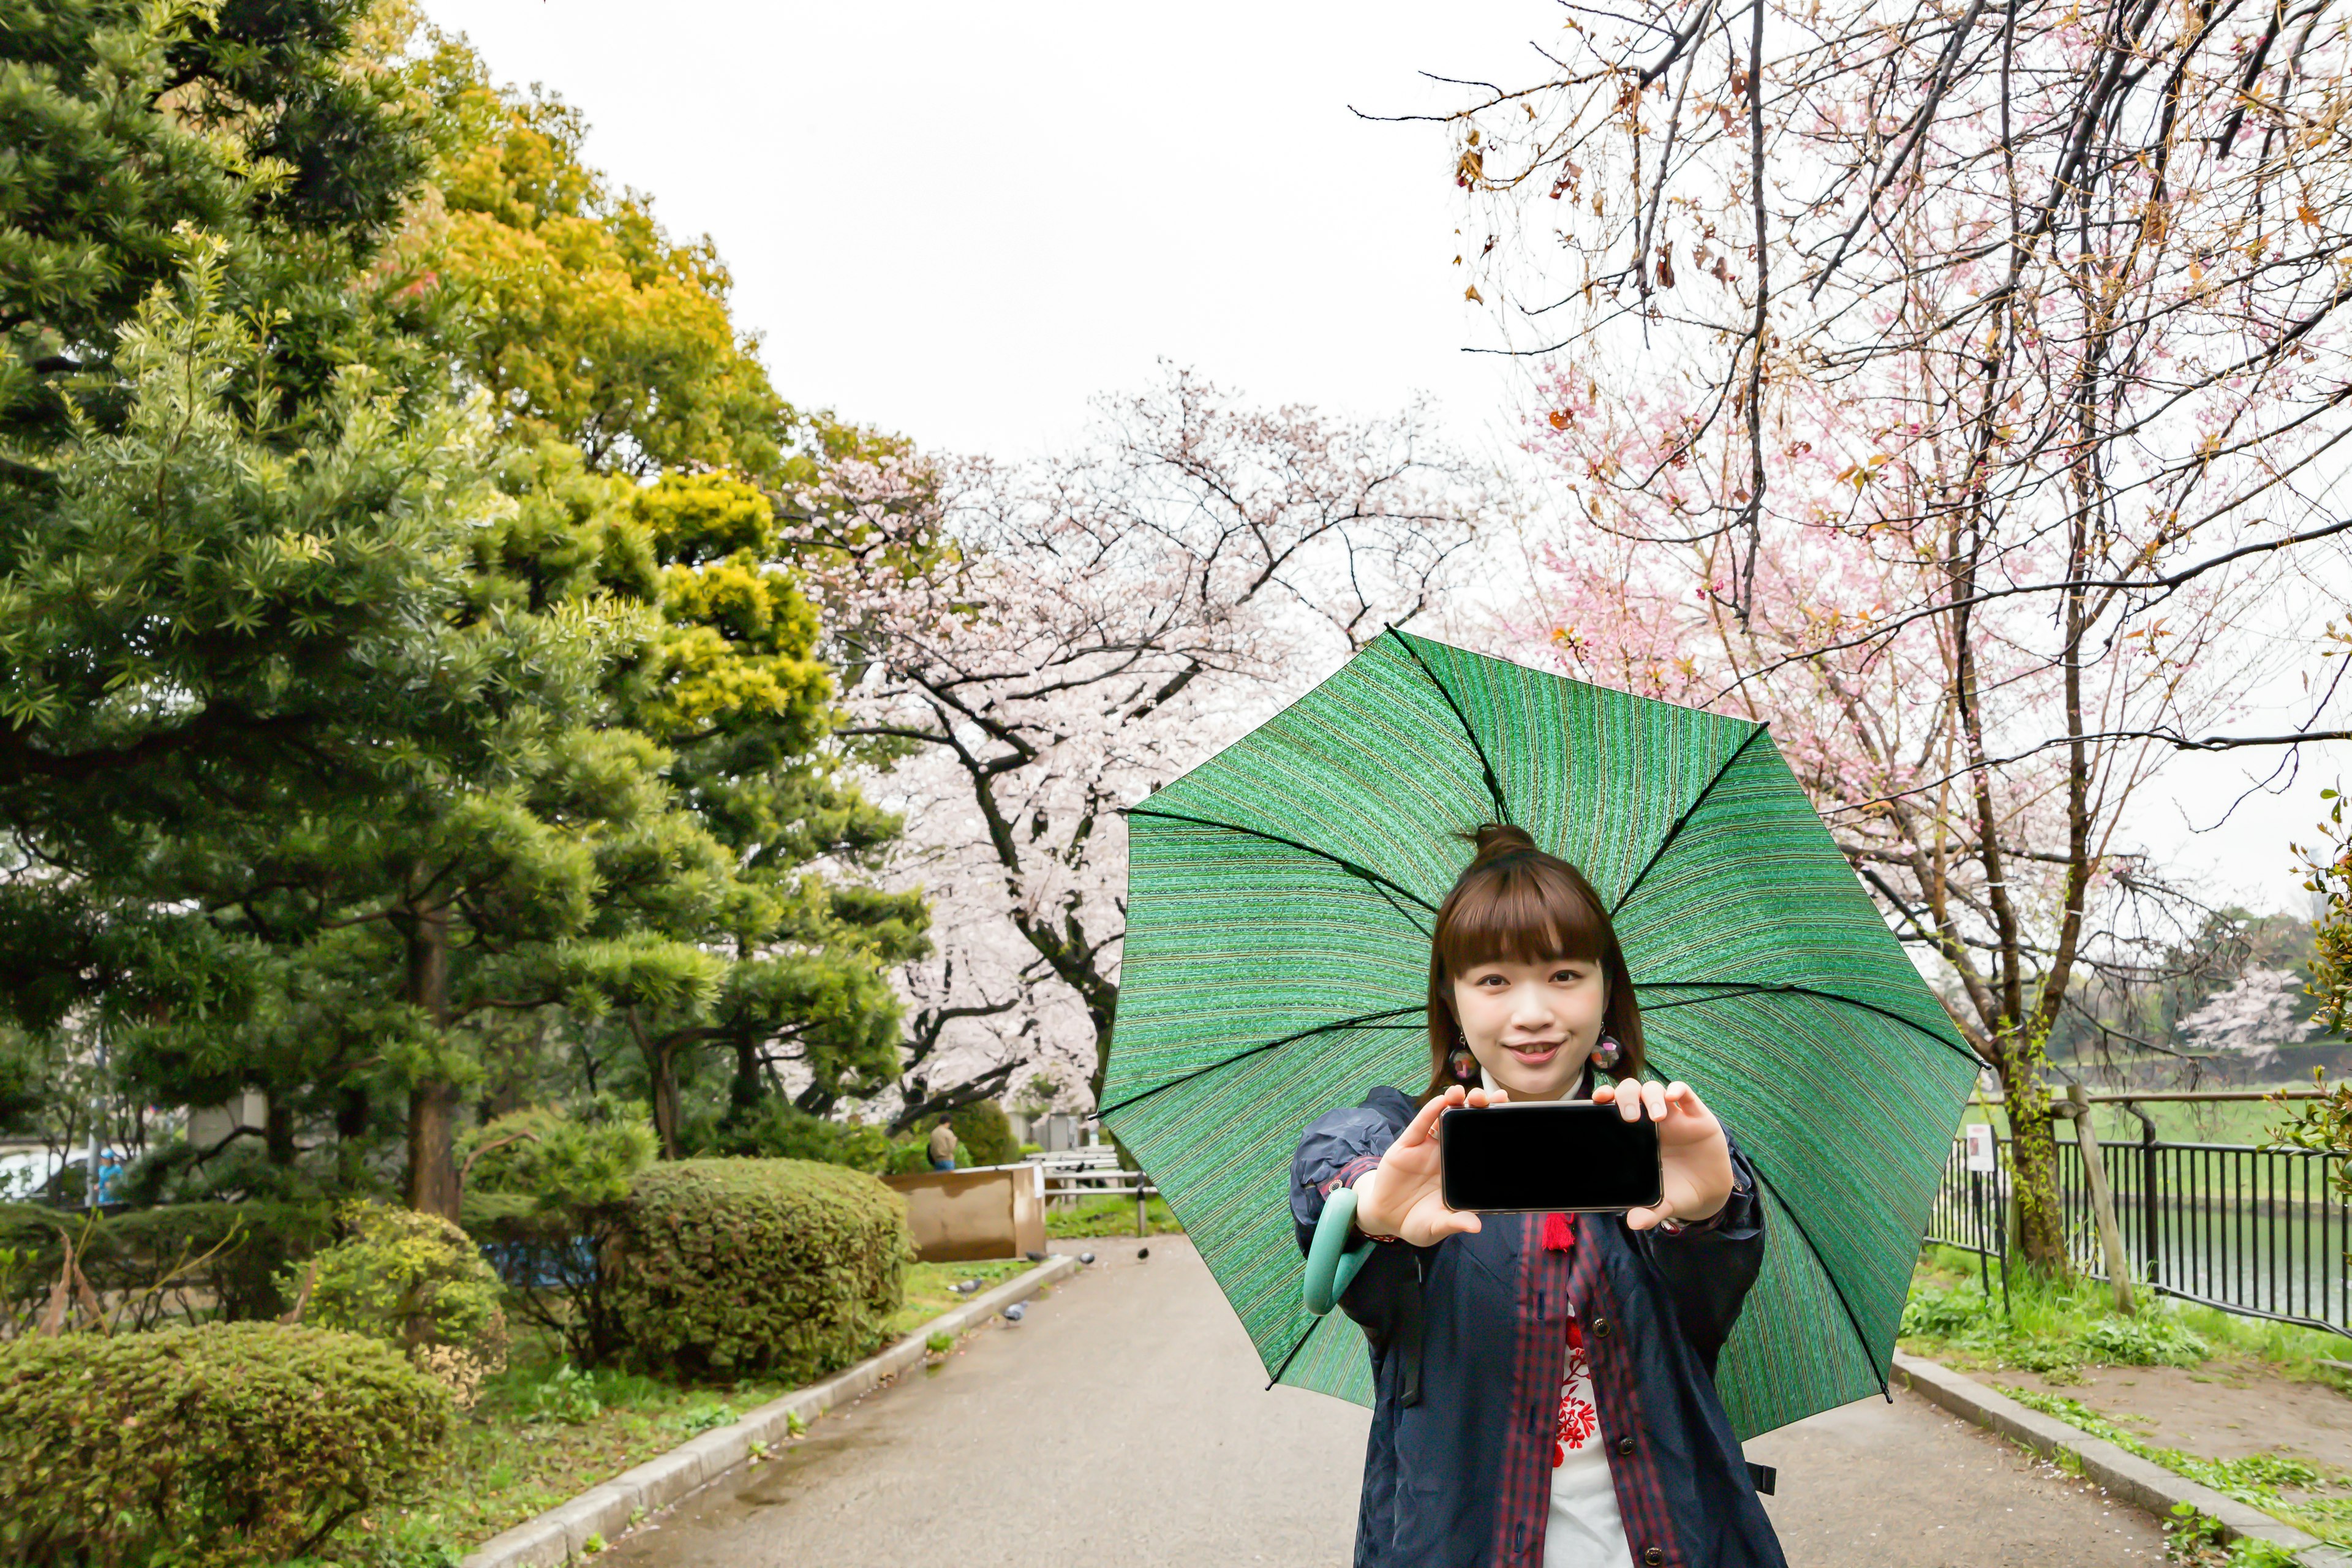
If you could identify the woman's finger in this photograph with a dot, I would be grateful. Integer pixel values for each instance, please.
(1604, 1094)
(1629, 1101)
(1653, 1096)
(1417, 1131)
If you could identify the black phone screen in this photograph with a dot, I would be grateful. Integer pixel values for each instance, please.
(1563, 1155)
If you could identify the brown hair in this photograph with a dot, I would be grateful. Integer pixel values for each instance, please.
(1513, 901)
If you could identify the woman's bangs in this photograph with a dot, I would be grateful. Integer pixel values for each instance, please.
(1526, 913)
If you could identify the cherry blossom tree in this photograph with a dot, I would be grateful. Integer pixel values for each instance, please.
(1958, 387)
(1036, 646)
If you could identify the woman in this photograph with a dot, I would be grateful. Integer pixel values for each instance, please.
(1545, 1382)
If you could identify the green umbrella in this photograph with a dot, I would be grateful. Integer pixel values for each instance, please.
(1279, 902)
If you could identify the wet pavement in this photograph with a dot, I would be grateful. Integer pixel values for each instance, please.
(1126, 1422)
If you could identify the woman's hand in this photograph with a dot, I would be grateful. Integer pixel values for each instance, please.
(1691, 1148)
(1404, 1196)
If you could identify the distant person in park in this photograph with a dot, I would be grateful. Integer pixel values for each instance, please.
(1545, 1394)
(943, 1147)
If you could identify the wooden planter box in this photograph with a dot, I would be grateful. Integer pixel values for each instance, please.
(957, 1216)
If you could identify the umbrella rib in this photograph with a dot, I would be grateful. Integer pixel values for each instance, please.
(1365, 872)
(1292, 1355)
(1260, 1050)
(1681, 821)
(1752, 988)
(1493, 785)
(1853, 1318)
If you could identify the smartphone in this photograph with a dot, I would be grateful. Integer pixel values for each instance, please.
(1570, 1156)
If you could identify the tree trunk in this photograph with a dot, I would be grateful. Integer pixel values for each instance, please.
(278, 1130)
(661, 1074)
(431, 1104)
(746, 1089)
(352, 1108)
(2033, 1158)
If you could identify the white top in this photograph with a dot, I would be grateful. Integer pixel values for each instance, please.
(1584, 1530)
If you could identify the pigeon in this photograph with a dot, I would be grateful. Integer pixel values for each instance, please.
(1015, 1312)
(1142, 1253)
(1086, 1257)
(1034, 1257)
(965, 1288)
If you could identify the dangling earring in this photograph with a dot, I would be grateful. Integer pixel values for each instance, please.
(1607, 1053)
(1464, 1065)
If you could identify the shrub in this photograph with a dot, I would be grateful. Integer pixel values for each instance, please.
(731, 1269)
(230, 1443)
(559, 1161)
(2141, 1342)
(544, 1195)
(1940, 1314)
(984, 1134)
(779, 1130)
(414, 1280)
(160, 1262)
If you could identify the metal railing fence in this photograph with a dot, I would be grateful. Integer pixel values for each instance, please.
(2263, 1232)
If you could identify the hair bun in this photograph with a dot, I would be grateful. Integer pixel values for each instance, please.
(1497, 839)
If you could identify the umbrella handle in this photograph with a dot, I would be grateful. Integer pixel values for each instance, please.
(1331, 1263)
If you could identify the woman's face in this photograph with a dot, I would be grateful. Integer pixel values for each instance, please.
(1532, 1024)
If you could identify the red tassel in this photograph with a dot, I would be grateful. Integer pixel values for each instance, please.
(1557, 1236)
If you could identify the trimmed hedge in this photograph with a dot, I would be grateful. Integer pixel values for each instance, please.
(734, 1269)
(230, 1443)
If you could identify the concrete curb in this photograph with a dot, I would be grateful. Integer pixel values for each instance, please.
(561, 1534)
(2124, 1475)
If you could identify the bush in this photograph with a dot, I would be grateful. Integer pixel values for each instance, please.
(559, 1161)
(984, 1134)
(2141, 1342)
(544, 1195)
(415, 1281)
(161, 1262)
(734, 1269)
(1940, 1314)
(230, 1443)
(779, 1130)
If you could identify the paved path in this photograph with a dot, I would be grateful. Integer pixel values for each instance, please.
(1125, 1422)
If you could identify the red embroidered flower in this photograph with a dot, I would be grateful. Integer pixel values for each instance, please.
(1577, 1422)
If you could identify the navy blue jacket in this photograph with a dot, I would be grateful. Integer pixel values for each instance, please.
(1458, 1471)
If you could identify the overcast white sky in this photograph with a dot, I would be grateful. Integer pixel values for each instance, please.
(960, 222)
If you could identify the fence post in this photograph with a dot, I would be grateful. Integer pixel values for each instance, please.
(2102, 1205)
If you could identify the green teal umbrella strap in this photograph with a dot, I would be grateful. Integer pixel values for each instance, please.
(1331, 1263)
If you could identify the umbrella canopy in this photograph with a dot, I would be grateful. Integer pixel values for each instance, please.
(1280, 898)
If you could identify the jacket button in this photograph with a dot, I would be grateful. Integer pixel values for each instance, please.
(1654, 1556)
(1600, 1326)
(1625, 1445)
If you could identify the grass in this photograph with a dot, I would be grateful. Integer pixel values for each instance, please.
(2176, 1121)
(542, 1433)
(929, 1289)
(1109, 1217)
(2054, 1328)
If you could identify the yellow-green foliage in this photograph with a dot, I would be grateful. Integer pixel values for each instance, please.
(234, 1443)
(410, 1279)
(734, 1269)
